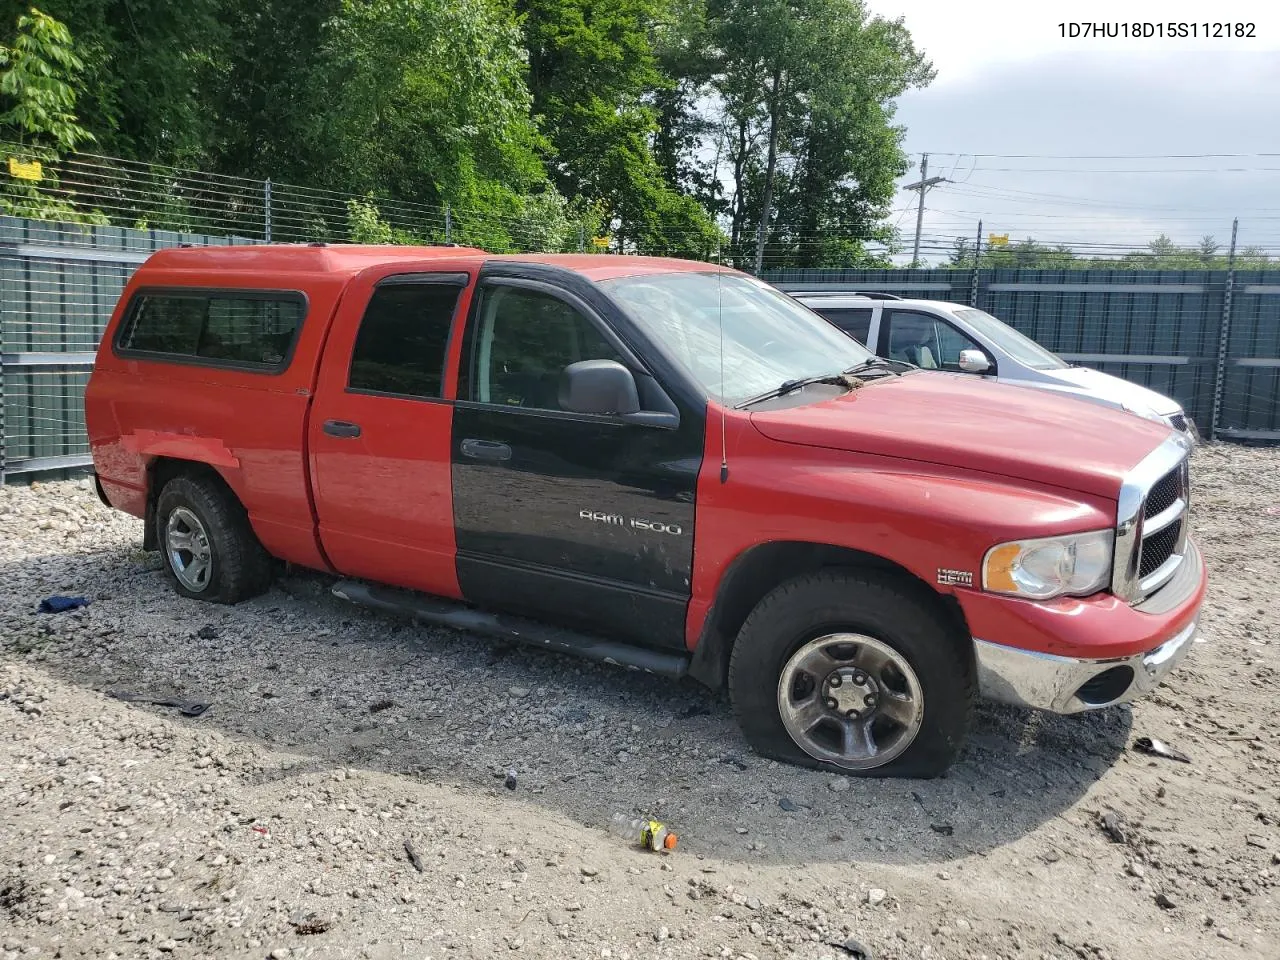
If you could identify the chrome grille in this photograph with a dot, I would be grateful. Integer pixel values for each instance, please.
(1158, 548)
(1163, 495)
(1152, 522)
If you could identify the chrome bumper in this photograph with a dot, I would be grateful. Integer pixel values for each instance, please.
(1044, 681)
(1070, 685)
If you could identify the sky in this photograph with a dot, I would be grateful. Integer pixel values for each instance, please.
(1016, 107)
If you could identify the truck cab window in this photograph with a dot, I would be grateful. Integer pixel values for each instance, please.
(403, 337)
(525, 340)
(225, 328)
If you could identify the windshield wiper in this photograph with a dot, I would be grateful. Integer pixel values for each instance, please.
(791, 386)
(896, 367)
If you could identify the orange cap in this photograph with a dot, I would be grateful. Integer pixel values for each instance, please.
(669, 841)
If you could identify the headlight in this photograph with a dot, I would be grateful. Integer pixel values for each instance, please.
(1075, 565)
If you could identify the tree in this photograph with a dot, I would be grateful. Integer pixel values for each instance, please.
(810, 85)
(272, 91)
(38, 83)
(593, 76)
(425, 100)
(152, 70)
(39, 77)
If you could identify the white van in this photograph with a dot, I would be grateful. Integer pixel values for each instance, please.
(935, 334)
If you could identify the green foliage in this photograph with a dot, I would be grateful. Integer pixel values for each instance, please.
(152, 74)
(38, 76)
(365, 225)
(425, 99)
(807, 88)
(593, 75)
(1160, 254)
(39, 73)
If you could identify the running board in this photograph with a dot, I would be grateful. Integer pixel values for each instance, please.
(447, 613)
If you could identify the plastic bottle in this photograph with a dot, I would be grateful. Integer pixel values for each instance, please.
(650, 834)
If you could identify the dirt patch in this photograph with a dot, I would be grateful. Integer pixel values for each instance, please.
(277, 819)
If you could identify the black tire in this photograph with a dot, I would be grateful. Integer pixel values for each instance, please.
(239, 567)
(897, 613)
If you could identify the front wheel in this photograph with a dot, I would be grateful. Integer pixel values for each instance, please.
(854, 673)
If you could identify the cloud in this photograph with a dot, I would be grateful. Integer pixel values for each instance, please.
(1098, 104)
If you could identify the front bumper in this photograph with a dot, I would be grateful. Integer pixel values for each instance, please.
(1067, 684)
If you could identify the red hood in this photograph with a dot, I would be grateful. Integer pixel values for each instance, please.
(959, 420)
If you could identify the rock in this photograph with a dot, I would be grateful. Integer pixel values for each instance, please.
(1113, 826)
(309, 923)
(1164, 901)
(875, 896)
(662, 934)
(1137, 870)
(839, 785)
(510, 781)
(588, 871)
(756, 928)
(281, 953)
(787, 805)
(518, 692)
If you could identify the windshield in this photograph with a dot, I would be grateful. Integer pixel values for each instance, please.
(768, 337)
(1022, 348)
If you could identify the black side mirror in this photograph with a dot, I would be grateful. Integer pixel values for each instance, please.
(607, 388)
(598, 386)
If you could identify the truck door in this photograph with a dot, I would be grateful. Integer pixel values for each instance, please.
(380, 428)
(578, 518)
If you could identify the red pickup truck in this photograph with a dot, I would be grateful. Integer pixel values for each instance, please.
(662, 464)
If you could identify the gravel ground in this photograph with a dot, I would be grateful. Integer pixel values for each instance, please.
(275, 823)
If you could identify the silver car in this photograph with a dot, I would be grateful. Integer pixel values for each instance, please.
(937, 335)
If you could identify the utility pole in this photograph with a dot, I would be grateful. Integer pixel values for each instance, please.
(923, 185)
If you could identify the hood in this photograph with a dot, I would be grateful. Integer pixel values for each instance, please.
(1114, 390)
(957, 420)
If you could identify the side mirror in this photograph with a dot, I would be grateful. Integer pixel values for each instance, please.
(974, 361)
(598, 386)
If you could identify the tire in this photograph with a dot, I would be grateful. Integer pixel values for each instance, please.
(865, 625)
(203, 514)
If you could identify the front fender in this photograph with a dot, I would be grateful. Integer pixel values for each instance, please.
(934, 522)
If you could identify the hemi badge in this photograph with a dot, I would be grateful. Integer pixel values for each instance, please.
(956, 578)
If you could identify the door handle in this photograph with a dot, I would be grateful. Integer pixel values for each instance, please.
(485, 450)
(341, 428)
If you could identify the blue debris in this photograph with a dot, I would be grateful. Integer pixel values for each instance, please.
(62, 604)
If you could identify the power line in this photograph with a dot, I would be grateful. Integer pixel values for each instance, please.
(1112, 156)
(1077, 170)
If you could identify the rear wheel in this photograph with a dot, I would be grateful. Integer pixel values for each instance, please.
(853, 673)
(210, 551)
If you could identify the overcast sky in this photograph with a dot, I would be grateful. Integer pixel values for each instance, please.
(1009, 83)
